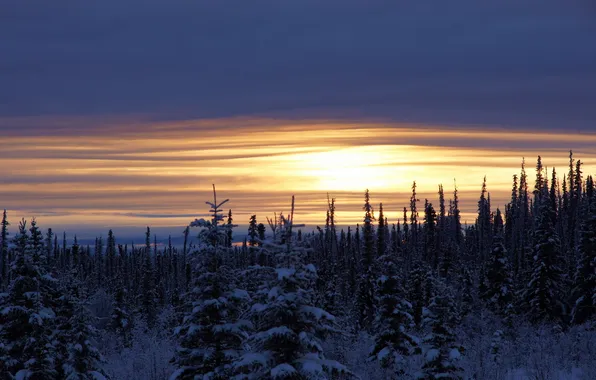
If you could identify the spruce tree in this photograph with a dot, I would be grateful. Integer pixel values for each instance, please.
(584, 287)
(457, 228)
(36, 243)
(121, 321)
(466, 300)
(393, 344)
(261, 229)
(287, 342)
(211, 334)
(443, 352)
(229, 236)
(381, 241)
(4, 264)
(414, 219)
(415, 292)
(83, 358)
(252, 231)
(431, 250)
(148, 297)
(26, 315)
(499, 284)
(365, 296)
(110, 263)
(48, 247)
(483, 223)
(78, 358)
(543, 294)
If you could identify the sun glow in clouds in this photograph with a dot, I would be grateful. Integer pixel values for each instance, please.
(159, 173)
(345, 169)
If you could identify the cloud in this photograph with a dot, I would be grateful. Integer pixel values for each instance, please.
(463, 61)
(166, 216)
(160, 174)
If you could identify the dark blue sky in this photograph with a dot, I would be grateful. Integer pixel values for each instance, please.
(514, 63)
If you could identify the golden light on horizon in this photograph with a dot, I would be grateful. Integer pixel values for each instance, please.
(160, 173)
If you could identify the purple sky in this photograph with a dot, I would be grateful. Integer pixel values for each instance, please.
(514, 63)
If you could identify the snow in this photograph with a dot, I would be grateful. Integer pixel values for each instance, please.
(177, 373)
(384, 353)
(23, 374)
(432, 354)
(240, 294)
(317, 313)
(200, 223)
(36, 319)
(236, 328)
(285, 273)
(47, 313)
(48, 277)
(454, 354)
(31, 295)
(9, 309)
(258, 307)
(280, 330)
(274, 292)
(312, 367)
(310, 341)
(282, 371)
(97, 376)
(251, 358)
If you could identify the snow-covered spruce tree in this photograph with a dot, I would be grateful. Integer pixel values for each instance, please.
(4, 264)
(286, 343)
(79, 359)
(26, 317)
(261, 229)
(121, 320)
(252, 232)
(83, 357)
(229, 231)
(365, 296)
(393, 344)
(4, 365)
(466, 293)
(211, 335)
(442, 350)
(62, 332)
(584, 289)
(415, 292)
(496, 346)
(499, 284)
(543, 293)
(147, 300)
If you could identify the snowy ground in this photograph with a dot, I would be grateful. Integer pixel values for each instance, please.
(538, 354)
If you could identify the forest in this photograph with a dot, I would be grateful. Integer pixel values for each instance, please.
(510, 296)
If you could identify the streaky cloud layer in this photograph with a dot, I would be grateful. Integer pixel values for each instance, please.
(125, 173)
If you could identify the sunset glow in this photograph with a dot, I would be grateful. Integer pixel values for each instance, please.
(158, 174)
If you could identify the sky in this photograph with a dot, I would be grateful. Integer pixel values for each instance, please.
(121, 114)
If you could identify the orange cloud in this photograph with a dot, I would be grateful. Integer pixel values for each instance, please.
(127, 172)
